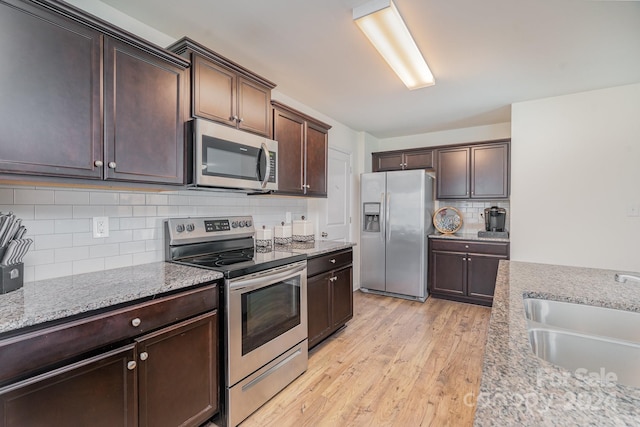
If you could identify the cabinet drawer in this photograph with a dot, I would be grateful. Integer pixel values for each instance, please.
(35, 350)
(467, 246)
(329, 262)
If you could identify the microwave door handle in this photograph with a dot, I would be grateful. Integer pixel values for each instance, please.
(265, 150)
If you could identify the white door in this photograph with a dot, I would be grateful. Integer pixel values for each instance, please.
(334, 212)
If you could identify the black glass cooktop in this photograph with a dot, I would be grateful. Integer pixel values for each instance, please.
(242, 262)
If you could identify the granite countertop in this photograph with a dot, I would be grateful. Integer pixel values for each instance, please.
(518, 388)
(46, 300)
(466, 236)
(313, 249)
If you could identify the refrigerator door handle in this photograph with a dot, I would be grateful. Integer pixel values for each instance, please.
(388, 215)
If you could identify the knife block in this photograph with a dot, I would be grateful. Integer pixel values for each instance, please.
(12, 277)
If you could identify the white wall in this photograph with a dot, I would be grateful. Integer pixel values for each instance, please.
(445, 137)
(575, 172)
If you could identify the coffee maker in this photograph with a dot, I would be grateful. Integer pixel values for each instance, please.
(494, 222)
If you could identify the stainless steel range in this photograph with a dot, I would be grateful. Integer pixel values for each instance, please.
(265, 312)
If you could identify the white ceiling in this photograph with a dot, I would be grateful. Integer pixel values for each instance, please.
(485, 54)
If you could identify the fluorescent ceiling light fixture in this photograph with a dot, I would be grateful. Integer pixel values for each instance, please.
(381, 22)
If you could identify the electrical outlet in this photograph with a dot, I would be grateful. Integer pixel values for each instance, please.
(633, 210)
(100, 226)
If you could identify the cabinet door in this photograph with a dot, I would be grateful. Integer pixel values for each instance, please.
(342, 297)
(481, 275)
(448, 273)
(452, 176)
(100, 391)
(50, 86)
(144, 121)
(490, 171)
(214, 91)
(317, 147)
(383, 162)
(418, 159)
(318, 307)
(254, 107)
(178, 373)
(289, 131)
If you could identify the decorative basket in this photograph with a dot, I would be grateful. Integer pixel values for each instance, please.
(447, 220)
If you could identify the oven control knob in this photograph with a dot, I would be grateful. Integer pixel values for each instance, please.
(242, 223)
(191, 227)
(234, 224)
(248, 222)
(180, 228)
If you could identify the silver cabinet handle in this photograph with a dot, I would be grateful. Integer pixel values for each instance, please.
(98, 163)
(324, 234)
(136, 322)
(234, 118)
(464, 259)
(144, 355)
(466, 246)
(131, 365)
(240, 120)
(332, 261)
(112, 165)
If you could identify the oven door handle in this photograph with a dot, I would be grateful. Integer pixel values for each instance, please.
(258, 281)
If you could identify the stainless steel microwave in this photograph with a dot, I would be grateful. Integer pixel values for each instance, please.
(230, 158)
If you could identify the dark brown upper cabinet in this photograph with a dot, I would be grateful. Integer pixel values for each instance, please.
(224, 91)
(384, 161)
(57, 62)
(303, 144)
(473, 172)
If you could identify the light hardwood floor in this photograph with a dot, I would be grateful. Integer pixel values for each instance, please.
(397, 363)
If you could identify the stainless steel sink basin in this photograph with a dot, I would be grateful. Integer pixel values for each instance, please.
(588, 319)
(587, 355)
(586, 339)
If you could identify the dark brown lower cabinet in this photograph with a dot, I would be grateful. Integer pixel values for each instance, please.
(99, 391)
(329, 294)
(166, 377)
(177, 373)
(465, 270)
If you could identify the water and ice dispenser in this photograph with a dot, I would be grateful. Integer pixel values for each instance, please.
(371, 221)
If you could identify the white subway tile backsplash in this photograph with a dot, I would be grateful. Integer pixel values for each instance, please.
(87, 211)
(72, 225)
(118, 261)
(71, 254)
(59, 221)
(53, 212)
(132, 198)
(35, 227)
(144, 211)
(132, 247)
(103, 198)
(52, 241)
(50, 271)
(6, 196)
(71, 197)
(102, 251)
(22, 196)
(118, 211)
(88, 265)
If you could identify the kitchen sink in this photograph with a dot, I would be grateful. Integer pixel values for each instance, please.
(588, 319)
(585, 339)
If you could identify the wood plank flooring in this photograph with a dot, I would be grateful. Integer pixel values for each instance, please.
(397, 363)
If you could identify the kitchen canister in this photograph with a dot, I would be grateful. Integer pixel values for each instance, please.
(282, 234)
(264, 237)
(303, 231)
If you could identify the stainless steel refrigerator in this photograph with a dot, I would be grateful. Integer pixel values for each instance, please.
(397, 209)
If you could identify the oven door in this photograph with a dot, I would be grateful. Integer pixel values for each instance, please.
(267, 315)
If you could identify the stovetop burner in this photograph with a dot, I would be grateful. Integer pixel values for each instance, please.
(221, 244)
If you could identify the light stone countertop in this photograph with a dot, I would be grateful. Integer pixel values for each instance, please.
(466, 236)
(518, 388)
(320, 247)
(54, 299)
(46, 300)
